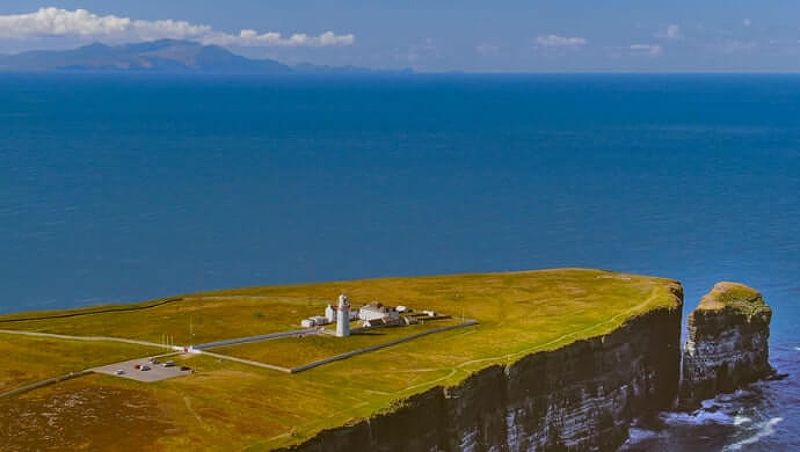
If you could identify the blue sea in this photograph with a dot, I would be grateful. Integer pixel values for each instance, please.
(122, 188)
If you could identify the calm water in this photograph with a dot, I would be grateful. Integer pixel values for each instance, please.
(123, 189)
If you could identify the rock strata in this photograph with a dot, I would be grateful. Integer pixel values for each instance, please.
(584, 396)
(727, 343)
(579, 397)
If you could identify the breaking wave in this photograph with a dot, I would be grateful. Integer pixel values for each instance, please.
(765, 429)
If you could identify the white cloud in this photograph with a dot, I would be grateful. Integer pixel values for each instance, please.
(80, 23)
(646, 49)
(747, 22)
(672, 32)
(560, 41)
(253, 39)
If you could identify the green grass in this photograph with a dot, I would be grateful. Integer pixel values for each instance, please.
(207, 317)
(27, 360)
(296, 351)
(229, 405)
(730, 295)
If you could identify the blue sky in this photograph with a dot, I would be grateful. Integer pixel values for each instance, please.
(438, 35)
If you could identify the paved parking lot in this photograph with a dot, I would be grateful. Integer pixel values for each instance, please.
(157, 372)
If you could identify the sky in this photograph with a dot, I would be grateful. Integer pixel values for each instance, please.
(438, 35)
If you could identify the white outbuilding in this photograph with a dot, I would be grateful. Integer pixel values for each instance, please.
(330, 314)
(376, 310)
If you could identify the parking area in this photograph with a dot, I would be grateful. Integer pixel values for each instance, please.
(145, 370)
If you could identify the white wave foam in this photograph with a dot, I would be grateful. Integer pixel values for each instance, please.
(765, 429)
(727, 398)
(639, 434)
(739, 420)
(699, 417)
(797, 348)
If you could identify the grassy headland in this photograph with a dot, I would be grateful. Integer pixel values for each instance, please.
(226, 404)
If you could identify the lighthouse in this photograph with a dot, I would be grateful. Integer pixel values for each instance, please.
(343, 317)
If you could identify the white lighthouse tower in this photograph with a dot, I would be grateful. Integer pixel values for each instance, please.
(343, 317)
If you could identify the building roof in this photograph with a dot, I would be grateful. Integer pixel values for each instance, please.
(375, 307)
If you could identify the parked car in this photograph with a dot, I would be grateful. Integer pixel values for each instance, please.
(119, 372)
(186, 369)
(144, 368)
(168, 364)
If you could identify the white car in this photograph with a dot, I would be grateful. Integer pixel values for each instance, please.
(119, 372)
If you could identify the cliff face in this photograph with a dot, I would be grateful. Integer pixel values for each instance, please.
(580, 397)
(727, 344)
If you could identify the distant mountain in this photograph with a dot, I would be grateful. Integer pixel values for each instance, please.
(165, 56)
(158, 56)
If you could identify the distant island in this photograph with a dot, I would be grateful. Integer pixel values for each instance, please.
(162, 56)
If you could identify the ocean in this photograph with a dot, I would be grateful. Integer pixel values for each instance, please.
(121, 188)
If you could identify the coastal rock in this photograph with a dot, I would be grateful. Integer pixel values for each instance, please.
(727, 343)
(581, 396)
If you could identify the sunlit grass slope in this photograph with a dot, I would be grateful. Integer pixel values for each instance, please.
(233, 405)
(25, 360)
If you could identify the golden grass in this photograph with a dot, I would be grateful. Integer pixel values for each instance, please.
(296, 351)
(734, 296)
(229, 405)
(27, 360)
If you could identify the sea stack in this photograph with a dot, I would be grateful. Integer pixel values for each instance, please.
(727, 344)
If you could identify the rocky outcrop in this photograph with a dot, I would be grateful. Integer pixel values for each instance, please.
(579, 397)
(727, 343)
(585, 395)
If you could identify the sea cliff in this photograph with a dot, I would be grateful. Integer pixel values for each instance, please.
(562, 359)
(727, 343)
(579, 397)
